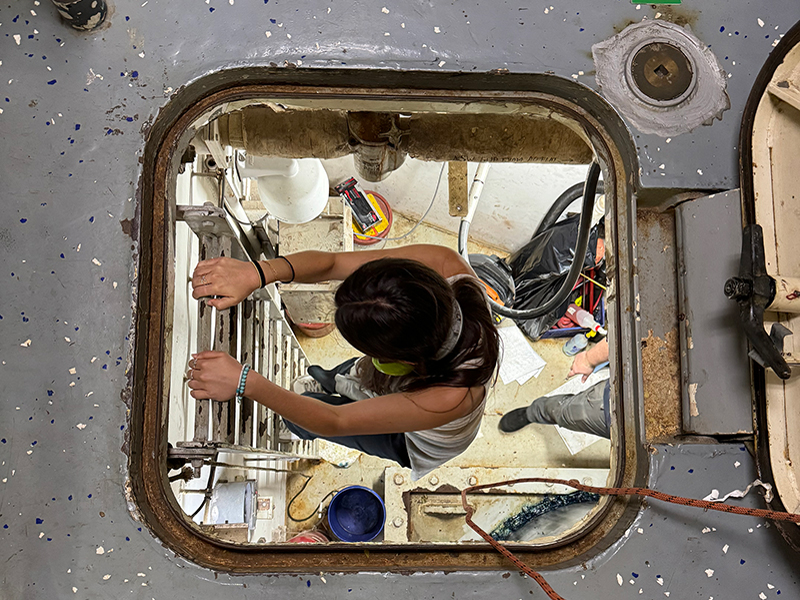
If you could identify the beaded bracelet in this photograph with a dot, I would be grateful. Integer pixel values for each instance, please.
(242, 381)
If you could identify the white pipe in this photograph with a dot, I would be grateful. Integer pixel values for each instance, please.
(476, 189)
(472, 206)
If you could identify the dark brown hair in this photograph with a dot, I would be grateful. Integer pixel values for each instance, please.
(396, 309)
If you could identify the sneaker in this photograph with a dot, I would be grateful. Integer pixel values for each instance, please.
(514, 420)
(327, 377)
(306, 383)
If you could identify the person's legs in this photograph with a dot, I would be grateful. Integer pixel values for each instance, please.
(391, 446)
(584, 411)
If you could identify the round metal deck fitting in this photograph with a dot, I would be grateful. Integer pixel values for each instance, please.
(433, 480)
(399, 479)
(661, 73)
(397, 522)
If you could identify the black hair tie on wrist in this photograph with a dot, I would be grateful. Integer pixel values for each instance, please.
(260, 274)
(291, 267)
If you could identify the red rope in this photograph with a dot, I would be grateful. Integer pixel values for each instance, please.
(605, 491)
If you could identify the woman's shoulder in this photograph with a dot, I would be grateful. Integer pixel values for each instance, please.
(460, 401)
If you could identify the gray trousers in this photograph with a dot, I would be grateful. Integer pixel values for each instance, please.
(586, 411)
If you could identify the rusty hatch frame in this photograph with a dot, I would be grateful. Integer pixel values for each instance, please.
(154, 502)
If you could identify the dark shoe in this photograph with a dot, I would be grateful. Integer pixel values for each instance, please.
(514, 420)
(327, 377)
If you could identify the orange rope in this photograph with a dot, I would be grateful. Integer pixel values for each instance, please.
(573, 483)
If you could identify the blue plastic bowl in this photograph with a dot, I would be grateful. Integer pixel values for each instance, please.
(356, 514)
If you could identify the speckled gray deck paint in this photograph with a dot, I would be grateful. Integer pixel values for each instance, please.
(74, 108)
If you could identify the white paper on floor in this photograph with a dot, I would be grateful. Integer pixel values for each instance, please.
(519, 361)
(575, 441)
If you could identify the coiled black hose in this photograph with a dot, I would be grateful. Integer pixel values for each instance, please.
(590, 188)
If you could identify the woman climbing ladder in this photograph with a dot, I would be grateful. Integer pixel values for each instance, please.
(419, 315)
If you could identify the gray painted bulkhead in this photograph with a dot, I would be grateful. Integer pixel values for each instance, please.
(76, 112)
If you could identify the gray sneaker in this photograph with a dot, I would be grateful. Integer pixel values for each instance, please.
(306, 383)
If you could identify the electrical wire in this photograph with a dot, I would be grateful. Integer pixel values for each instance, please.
(300, 491)
(421, 219)
(374, 237)
(209, 487)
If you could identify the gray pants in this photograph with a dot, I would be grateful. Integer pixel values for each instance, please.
(586, 411)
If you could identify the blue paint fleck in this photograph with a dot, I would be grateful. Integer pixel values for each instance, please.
(635, 575)
(122, 74)
(49, 392)
(51, 82)
(23, 220)
(721, 29)
(105, 367)
(127, 18)
(39, 521)
(89, 496)
(14, 20)
(134, 73)
(109, 132)
(49, 540)
(272, 21)
(742, 561)
(52, 421)
(211, 9)
(3, 440)
(91, 219)
(129, 119)
(77, 126)
(582, 29)
(5, 526)
(69, 497)
(691, 470)
(34, 442)
(121, 427)
(127, 539)
(308, 583)
(62, 255)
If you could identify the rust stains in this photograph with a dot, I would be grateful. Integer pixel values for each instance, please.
(661, 375)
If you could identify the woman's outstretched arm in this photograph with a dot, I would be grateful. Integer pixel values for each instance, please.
(231, 281)
(216, 375)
